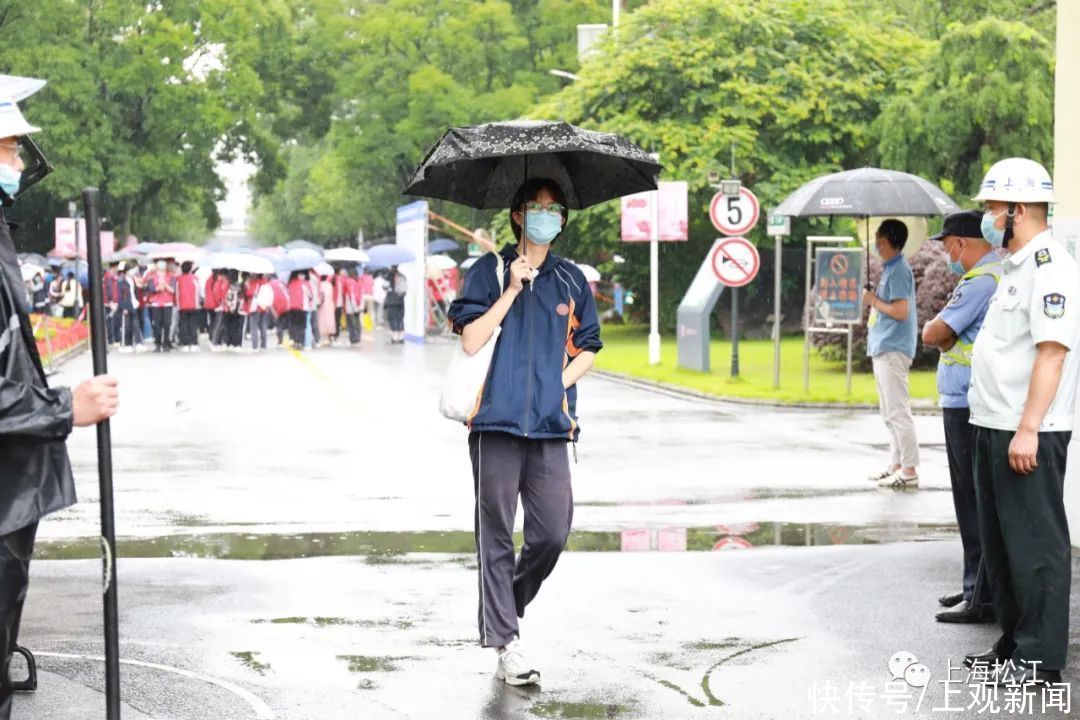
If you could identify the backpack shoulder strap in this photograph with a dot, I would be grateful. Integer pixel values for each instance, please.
(499, 270)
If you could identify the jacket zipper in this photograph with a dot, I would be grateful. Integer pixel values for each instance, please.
(528, 378)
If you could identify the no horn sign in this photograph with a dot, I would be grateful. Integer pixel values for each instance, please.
(736, 262)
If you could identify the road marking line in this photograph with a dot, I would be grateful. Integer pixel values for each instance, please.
(262, 710)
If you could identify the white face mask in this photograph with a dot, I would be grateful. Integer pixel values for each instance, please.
(162, 265)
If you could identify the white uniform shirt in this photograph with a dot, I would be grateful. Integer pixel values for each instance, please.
(1037, 300)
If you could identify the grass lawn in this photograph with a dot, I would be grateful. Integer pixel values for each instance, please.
(626, 351)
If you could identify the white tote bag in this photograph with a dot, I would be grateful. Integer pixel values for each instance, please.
(466, 375)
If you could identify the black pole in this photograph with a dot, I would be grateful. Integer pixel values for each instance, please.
(734, 332)
(104, 441)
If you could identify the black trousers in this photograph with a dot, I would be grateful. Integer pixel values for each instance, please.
(112, 325)
(352, 322)
(960, 449)
(189, 327)
(505, 466)
(234, 329)
(297, 321)
(161, 320)
(15, 551)
(1026, 549)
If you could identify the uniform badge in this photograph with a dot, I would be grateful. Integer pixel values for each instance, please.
(1012, 291)
(1054, 305)
(1042, 257)
(955, 297)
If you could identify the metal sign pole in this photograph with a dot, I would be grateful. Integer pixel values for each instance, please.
(807, 318)
(850, 333)
(778, 259)
(734, 332)
(104, 441)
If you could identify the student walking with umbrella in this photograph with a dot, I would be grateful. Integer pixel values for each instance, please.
(526, 413)
(35, 420)
(394, 305)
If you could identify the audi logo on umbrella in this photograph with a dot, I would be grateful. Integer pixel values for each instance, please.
(832, 202)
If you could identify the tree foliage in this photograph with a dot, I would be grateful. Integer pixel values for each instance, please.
(984, 93)
(143, 99)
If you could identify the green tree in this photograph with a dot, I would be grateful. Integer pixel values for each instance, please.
(403, 72)
(794, 85)
(143, 99)
(986, 92)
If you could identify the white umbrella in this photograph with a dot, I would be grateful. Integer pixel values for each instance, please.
(347, 255)
(440, 262)
(323, 269)
(468, 263)
(591, 274)
(29, 271)
(249, 263)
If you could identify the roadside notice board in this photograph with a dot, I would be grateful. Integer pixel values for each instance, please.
(838, 291)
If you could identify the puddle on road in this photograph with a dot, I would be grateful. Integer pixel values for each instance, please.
(368, 664)
(391, 547)
(250, 661)
(578, 711)
(336, 622)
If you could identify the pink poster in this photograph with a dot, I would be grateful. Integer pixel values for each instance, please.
(70, 239)
(637, 214)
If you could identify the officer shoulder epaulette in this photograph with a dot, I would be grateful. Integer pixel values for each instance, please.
(1042, 257)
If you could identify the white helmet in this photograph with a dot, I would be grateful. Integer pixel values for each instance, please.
(1016, 180)
(12, 122)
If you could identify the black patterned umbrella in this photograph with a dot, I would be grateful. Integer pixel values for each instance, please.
(482, 166)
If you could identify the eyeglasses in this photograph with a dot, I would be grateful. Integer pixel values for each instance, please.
(537, 207)
(14, 148)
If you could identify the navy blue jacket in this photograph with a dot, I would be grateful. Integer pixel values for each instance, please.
(548, 325)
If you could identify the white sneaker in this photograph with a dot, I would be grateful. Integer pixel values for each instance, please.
(141, 349)
(899, 481)
(881, 476)
(126, 349)
(194, 348)
(514, 668)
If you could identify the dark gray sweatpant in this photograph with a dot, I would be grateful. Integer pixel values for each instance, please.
(505, 466)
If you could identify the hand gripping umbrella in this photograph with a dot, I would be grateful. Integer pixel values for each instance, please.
(104, 442)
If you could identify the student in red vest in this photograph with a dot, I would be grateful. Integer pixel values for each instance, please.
(211, 306)
(354, 305)
(258, 305)
(297, 316)
(112, 304)
(162, 289)
(341, 281)
(187, 301)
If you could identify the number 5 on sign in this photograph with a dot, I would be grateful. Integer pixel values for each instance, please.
(735, 215)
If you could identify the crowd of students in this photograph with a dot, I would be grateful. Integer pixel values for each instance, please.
(169, 306)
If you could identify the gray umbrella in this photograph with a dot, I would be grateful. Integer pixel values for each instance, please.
(865, 193)
(482, 166)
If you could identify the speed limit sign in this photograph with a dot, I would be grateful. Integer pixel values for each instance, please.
(735, 215)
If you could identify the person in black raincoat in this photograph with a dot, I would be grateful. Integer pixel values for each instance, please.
(35, 419)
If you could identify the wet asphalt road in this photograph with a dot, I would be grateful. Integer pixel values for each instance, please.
(295, 544)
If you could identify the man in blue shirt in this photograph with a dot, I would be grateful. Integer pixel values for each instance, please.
(953, 332)
(891, 345)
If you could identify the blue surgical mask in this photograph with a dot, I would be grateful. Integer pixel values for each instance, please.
(10, 179)
(542, 226)
(955, 267)
(993, 236)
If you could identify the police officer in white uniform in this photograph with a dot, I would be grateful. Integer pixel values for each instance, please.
(1023, 393)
